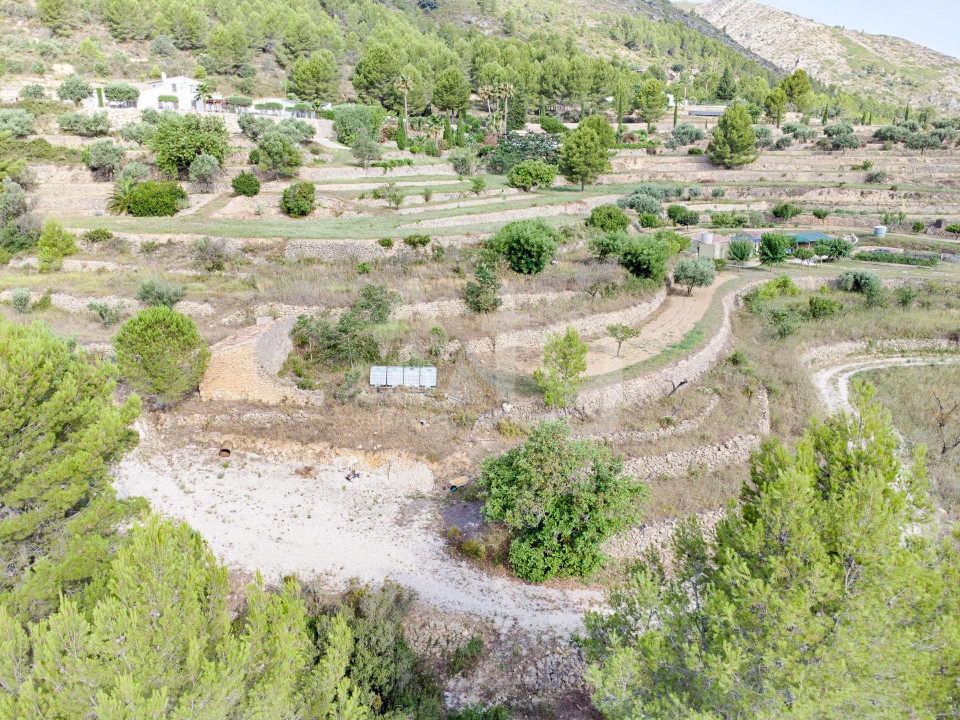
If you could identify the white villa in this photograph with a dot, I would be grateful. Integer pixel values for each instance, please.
(181, 87)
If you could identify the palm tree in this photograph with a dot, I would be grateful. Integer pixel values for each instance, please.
(435, 125)
(404, 84)
(486, 92)
(203, 93)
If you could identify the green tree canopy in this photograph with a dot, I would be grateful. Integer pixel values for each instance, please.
(61, 431)
(451, 93)
(180, 138)
(375, 76)
(650, 101)
(561, 498)
(583, 157)
(817, 597)
(734, 139)
(315, 77)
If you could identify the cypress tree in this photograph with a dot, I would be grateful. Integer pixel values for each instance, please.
(402, 136)
(734, 139)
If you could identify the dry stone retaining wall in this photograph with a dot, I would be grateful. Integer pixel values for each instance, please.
(79, 305)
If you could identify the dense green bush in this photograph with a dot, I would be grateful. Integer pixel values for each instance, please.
(156, 294)
(87, 125)
(561, 498)
(884, 256)
(608, 217)
(278, 154)
(160, 354)
(349, 119)
(18, 123)
(299, 199)
(152, 198)
(74, 89)
(685, 134)
(204, 169)
(550, 124)
(529, 174)
(54, 244)
(822, 307)
(481, 296)
(20, 300)
(246, 184)
(861, 281)
(891, 133)
(646, 257)
(602, 127)
(514, 149)
(785, 211)
(609, 244)
(180, 138)
(833, 248)
(642, 204)
(97, 235)
(528, 245)
(104, 157)
(120, 91)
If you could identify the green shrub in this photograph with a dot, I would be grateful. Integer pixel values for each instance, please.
(86, 125)
(877, 176)
(299, 199)
(646, 257)
(785, 321)
(561, 499)
(153, 198)
(463, 162)
(160, 354)
(481, 296)
(246, 184)
(608, 244)
(905, 295)
(156, 294)
(348, 120)
(550, 124)
(211, 255)
(649, 220)
(476, 711)
(478, 185)
(608, 218)
(692, 273)
(529, 174)
(107, 315)
(385, 242)
(20, 299)
(884, 256)
(204, 169)
(97, 235)
(466, 656)
(861, 281)
(54, 244)
(822, 307)
(528, 245)
(104, 158)
(17, 122)
(416, 242)
(786, 211)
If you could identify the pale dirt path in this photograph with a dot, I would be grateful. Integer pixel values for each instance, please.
(259, 514)
(833, 383)
(676, 316)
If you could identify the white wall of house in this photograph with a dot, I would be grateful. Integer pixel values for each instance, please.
(182, 87)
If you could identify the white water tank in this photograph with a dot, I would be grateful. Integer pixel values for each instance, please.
(880, 231)
(706, 238)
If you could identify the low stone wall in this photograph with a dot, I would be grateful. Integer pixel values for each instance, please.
(831, 353)
(709, 457)
(589, 325)
(79, 304)
(340, 250)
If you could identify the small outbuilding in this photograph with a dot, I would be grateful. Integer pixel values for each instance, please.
(709, 245)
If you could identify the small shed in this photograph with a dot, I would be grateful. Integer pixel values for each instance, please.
(709, 245)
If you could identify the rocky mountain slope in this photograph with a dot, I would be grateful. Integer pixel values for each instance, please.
(888, 67)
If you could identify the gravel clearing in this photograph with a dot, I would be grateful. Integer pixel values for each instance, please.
(276, 516)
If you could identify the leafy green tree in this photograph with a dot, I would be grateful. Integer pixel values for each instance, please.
(561, 499)
(155, 639)
(180, 138)
(528, 245)
(921, 142)
(816, 597)
(246, 184)
(726, 86)
(365, 148)
(528, 174)
(740, 251)
(204, 169)
(646, 257)
(833, 248)
(798, 90)
(621, 333)
(773, 249)
(161, 354)
(299, 199)
(650, 101)
(564, 362)
(375, 76)
(694, 272)
(228, 46)
(734, 140)
(136, 132)
(481, 296)
(315, 78)
(608, 218)
(279, 154)
(58, 15)
(775, 105)
(602, 127)
(121, 92)
(104, 158)
(451, 93)
(55, 243)
(61, 430)
(74, 89)
(16, 122)
(583, 157)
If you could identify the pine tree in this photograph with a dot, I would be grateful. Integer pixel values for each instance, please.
(517, 113)
(815, 598)
(447, 132)
(61, 431)
(726, 86)
(583, 157)
(734, 139)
